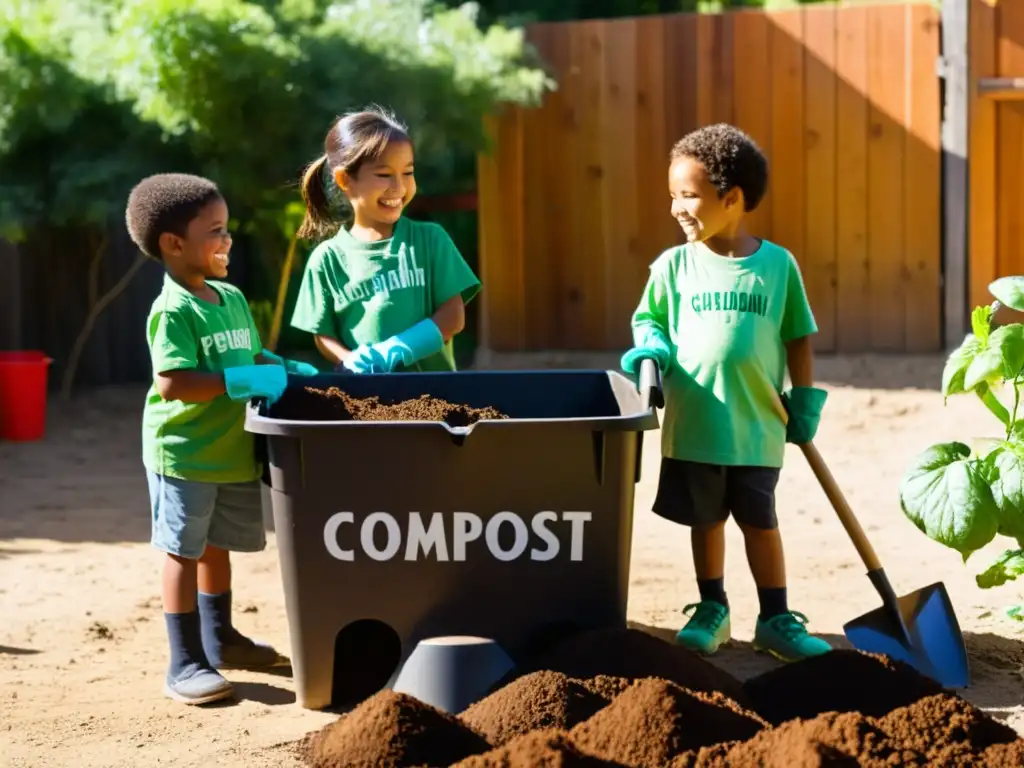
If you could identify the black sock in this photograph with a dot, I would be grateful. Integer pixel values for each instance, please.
(217, 630)
(186, 642)
(773, 601)
(713, 589)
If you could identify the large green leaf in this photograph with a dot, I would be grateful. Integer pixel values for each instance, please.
(1000, 357)
(985, 368)
(1009, 291)
(946, 495)
(1007, 487)
(1009, 340)
(960, 359)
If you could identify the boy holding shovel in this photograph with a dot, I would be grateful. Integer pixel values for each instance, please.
(724, 315)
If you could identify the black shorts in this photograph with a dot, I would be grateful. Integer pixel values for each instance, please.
(695, 494)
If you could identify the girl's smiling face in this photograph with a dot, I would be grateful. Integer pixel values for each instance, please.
(381, 188)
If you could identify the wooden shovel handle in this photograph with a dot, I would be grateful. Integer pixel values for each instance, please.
(834, 494)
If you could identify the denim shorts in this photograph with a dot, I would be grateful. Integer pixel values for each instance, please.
(188, 515)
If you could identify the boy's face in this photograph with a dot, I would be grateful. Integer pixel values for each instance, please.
(204, 249)
(696, 204)
(381, 188)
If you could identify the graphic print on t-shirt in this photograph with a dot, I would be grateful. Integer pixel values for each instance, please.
(729, 301)
(222, 341)
(384, 282)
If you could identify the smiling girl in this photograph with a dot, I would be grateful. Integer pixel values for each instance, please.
(386, 293)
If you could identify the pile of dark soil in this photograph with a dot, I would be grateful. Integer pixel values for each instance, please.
(832, 739)
(541, 700)
(946, 729)
(634, 655)
(538, 749)
(392, 730)
(333, 404)
(655, 721)
(840, 681)
(621, 698)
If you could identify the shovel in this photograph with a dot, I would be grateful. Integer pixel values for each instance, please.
(920, 628)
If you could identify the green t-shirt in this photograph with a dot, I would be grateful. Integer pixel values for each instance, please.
(206, 442)
(727, 321)
(363, 293)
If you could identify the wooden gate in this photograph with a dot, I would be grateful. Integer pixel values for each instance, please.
(996, 221)
(845, 101)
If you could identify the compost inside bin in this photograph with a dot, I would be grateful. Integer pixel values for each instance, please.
(654, 714)
(334, 404)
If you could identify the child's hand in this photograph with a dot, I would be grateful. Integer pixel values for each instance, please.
(297, 367)
(300, 368)
(411, 345)
(654, 348)
(804, 406)
(245, 381)
(364, 359)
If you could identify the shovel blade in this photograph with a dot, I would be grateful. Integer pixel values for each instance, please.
(923, 632)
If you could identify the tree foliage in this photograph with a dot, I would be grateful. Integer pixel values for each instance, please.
(98, 93)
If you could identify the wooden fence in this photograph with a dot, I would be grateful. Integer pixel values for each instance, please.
(844, 101)
(996, 54)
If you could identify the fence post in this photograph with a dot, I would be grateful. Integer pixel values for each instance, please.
(955, 76)
(10, 296)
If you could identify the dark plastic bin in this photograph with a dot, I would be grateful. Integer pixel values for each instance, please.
(536, 513)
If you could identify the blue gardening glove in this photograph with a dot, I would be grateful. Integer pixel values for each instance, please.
(411, 345)
(364, 359)
(246, 381)
(804, 406)
(650, 345)
(297, 367)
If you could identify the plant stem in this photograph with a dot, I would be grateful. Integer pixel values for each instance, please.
(1016, 403)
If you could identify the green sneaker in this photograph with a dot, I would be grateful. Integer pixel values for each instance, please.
(785, 637)
(707, 629)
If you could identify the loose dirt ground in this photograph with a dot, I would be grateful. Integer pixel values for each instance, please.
(82, 647)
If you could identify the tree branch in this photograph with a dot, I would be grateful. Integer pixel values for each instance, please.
(94, 312)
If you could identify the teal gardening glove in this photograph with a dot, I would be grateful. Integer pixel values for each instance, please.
(804, 406)
(411, 345)
(246, 381)
(297, 367)
(364, 359)
(650, 345)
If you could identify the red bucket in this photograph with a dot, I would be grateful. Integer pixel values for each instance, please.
(23, 395)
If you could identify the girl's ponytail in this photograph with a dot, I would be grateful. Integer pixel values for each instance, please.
(351, 141)
(318, 221)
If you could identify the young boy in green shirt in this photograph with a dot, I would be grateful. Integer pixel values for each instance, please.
(201, 467)
(724, 316)
(386, 293)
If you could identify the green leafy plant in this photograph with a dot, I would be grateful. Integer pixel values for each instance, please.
(963, 496)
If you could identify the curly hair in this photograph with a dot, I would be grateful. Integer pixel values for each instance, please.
(730, 158)
(166, 202)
